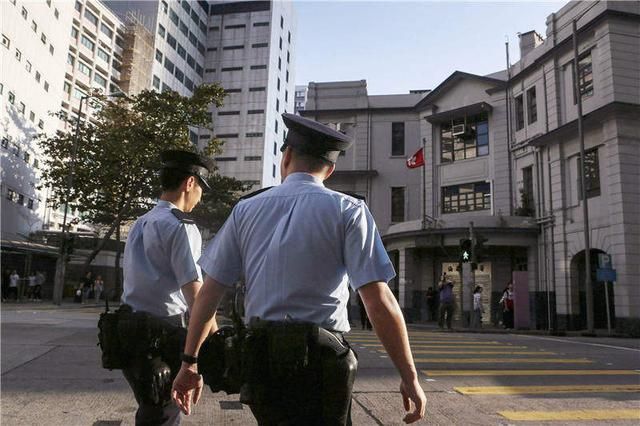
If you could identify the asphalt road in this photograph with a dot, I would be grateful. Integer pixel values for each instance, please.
(51, 375)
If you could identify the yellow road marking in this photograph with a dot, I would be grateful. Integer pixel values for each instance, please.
(379, 345)
(433, 342)
(503, 360)
(473, 352)
(529, 372)
(515, 390)
(570, 415)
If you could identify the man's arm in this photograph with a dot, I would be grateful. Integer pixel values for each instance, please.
(190, 292)
(188, 384)
(388, 322)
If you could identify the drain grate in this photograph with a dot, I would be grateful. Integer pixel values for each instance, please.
(230, 405)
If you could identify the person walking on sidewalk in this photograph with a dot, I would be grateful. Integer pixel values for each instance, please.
(478, 310)
(446, 301)
(98, 288)
(298, 246)
(162, 278)
(507, 306)
(14, 282)
(86, 284)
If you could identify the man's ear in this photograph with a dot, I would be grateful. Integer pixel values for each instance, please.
(330, 171)
(189, 183)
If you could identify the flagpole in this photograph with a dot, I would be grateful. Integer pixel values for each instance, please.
(424, 186)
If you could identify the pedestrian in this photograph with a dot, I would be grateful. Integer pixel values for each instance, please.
(161, 276)
(98, 288)
(14, 281)
(507, 306)
(6, 279)
(478, 310)
(86, 284)
(31, 282)
(40, 280)
(431, 304)
(446, 301)
(364, 318)
(298, 246)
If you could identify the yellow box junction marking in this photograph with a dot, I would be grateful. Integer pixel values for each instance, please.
(503, 360)
(571, 415)
(529, 372)
(515, 390)
(474, 352)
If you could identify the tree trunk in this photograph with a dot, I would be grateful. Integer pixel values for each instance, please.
(118, 284)
(99, 247)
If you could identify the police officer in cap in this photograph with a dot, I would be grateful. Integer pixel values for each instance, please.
(161, 276)
(299, 246)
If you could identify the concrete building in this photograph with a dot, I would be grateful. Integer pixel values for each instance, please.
(301, 98)
(511, 169)
(250, 52)
(35, 39)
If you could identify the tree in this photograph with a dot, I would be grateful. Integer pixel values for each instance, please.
(117, 155)
(216, 204)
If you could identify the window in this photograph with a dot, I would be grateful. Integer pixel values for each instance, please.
(11, 194)
(87, 43)
(257, 89)
(231, 69)
(161, 31)
(78, 6)
(591, 174)
(56, 13)
(466, 197)
(46, 86)
(24, 13)
(289, 39)
(280, 43)
(228, 112)
(20, 199)
(165, 7)
(1, 88)
(174, 17)
(260, 24)
(106, 30)
(278, 85)
(169, 65)
(273, 170)
(193, 39)
(253, 158)
(5, 41)
(227, 135)
(519, 106)
(585, 77)
(287, 77)
(275, 148)
(286, 95)
(156, 82)
(30, 204)
(185, 6)
(233, 91)
(40, 124)
(18, 55)
(201, 48)
(166, 87)
(51, 49)
(397, 138)
(277, 105)
(256, 111)
(66, 87)
(84, 68)
(171, 40)
(258, 67)
(103, 55)
(71, 60)
(203, 27)
(100, 80)
(21, 107)
(91, 17)
(276, 126)
(38, 76)
(11, 98)
(212, 49)
(214, 28)
(260, 45)
(74, 32)
(34, 26)
(190, 61)
(231, 27)
(397, 203)
(254, 135)
(182, 51)
(199, 70)
(282, 22)
(237, 47)
(210, 70)
(32, 118)
(471, 139)
(188, 83)
(288, 56)
(526, 198)
(27, 66)
(179, 75)
(78, 94)
(226, 158)
(5, 142)
(279, 63)
(183, 28)
(532, 107)
(26, 156)
(158, 56)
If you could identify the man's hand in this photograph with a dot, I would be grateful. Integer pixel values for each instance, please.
(187, 387)
(413, 393)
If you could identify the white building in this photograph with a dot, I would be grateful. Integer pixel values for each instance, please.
(250, 52)
(35, 40)
(301, 98)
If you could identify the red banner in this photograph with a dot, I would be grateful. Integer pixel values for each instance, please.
(417, 160)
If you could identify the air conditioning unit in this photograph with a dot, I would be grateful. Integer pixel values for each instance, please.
(458, 130)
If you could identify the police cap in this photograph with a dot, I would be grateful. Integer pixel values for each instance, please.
(189, 162)
(314, 139)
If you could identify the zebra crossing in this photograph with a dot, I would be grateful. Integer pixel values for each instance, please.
(500, 366)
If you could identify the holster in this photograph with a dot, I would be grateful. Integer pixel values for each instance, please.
(219, 361)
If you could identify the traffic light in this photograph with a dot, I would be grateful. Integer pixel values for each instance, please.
(466, 250)
(478, 250)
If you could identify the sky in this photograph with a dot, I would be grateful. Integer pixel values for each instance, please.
(399, 46)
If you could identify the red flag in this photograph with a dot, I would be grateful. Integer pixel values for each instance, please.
(417, 160)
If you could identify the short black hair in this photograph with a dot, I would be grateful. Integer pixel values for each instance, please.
(171, 179)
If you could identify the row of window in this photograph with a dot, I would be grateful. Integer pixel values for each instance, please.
(173, 16)
(184, 29)
(21, 107)
(19, 199)
(15, 150)
(182, 52)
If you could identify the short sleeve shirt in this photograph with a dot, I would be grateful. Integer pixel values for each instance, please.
(298, 247)
(159, 258)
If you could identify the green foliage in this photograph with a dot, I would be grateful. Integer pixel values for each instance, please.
(118, 151)
(215, 206)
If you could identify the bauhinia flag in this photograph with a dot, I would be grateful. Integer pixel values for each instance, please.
(417, 160)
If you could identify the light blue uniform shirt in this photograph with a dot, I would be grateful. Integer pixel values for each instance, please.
(299, 246)
(159, 258)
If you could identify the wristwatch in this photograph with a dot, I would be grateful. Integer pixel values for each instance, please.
(189, 359)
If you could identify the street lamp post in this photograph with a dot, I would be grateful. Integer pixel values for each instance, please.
(61, 264)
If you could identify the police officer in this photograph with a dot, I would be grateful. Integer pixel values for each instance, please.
(161, 276)
(299, 246)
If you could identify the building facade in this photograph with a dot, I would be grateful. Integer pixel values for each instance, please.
(301, 98)
(502, 166)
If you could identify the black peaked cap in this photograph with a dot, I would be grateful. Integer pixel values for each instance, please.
(190, 162)
(315, 139)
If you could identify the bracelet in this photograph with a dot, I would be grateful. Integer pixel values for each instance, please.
(189, 359)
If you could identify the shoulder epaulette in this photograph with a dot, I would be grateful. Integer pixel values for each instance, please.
(254, 193)
(354, 195)
(182, 217)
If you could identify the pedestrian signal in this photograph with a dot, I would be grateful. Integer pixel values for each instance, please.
(466, 250)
